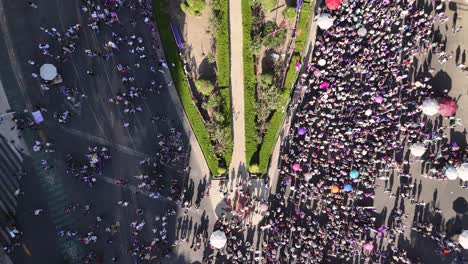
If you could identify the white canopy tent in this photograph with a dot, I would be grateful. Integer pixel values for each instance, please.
(418, 149)
(48, 72)
(325, 21)
(430, 107)
(218, 239)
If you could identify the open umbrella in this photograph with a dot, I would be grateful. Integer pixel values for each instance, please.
(463, 172)
(296, 167)
(218, 239)
(451, 173)
(317, 73)
(418, 149)
(308, 176)
(334, 189)
(301, 131)
(362, 31)
(324, 85)
(333, 4)
(322, 62)
(378, 99)
(448, 106)
(354, 174)
(325, 21)
(463, 239)
(48, 72)
(347, 187)
(368, 247)
(430, 107)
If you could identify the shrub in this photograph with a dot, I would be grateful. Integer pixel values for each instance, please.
(249, 83)
(222, 171)
(289, 13)
(274, 36)
(180, 82)
(304, 19)
(268, 5)
(205, 87)
(193, 7)
(254, 168)
(220, 24)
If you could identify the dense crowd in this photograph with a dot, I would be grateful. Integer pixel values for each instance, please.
(149, 240)
(360, 109)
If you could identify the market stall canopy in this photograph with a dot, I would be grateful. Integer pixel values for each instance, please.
(447, 106)
(430, 107)
(48, 72)
(418, 149)
(325, 21)
(463, 171)
(463, 239)
(218, 239)
(333, 4)
(451, 173)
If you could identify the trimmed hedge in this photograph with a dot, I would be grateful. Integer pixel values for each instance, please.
(172, 54)
(277, 120)
(224, 69)
(249, 83)
(222, 46)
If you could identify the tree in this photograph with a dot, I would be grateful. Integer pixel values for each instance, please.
(289, 13)
(274, 36)
(193, 7)
(268, 5)
(266, 79)
(205, 87)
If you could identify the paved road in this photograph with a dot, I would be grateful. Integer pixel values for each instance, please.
(94, 122)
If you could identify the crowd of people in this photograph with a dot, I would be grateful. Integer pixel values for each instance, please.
(148, 240)
(360, 111)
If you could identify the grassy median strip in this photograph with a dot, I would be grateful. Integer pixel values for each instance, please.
(277, 120)
(172, 55)
(224, 69)
(249, 84)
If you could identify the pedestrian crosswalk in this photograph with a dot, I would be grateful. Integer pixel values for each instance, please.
(57, 202)
(10, 165)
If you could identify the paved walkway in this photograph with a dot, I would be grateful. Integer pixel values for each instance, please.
(237, 167)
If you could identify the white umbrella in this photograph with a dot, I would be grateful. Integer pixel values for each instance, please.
(430, 107)
(463, 239)
(362, 32)
(322, 62)
(48, 72)
(451, 173)
(325, 21)
(463, 171)
(308, 176)
(418, 149)
(218, 239)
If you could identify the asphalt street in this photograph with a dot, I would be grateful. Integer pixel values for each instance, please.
(94, 122)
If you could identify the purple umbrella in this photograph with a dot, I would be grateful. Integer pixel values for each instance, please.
(301, 131)
(378, 99)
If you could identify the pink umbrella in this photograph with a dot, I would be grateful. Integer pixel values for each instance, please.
(368, 246)
(324, 85)
(378, 99)
(333, 4)
(317, 73)
(447, 106)
(296, 167)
